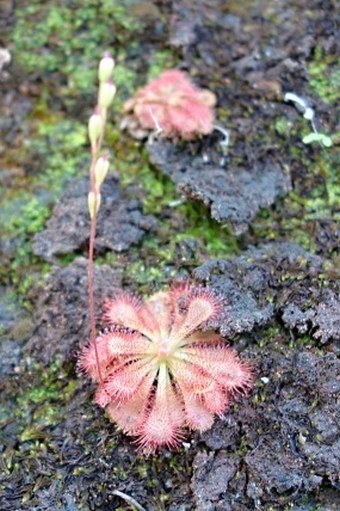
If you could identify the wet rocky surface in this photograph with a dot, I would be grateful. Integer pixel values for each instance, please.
(10, 353)
(59, 327)
(233, 196)
(10, 311)
(280, 444)
(290, 439)
(275, 62)
(120, 224)
(276, 280)
(279, 281)
(274, 450)
(15, 329)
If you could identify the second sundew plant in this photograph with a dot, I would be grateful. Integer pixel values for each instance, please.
(159, 366)
(172, 104)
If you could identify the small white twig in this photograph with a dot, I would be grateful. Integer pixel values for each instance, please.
(158, 129)
(129, 499)
(301, 104)
(313, 126)
(225, 142)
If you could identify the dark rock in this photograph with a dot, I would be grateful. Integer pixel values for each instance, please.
(224, 433)
(243, 308)
(58, 450)
(7, 8)
(233, 196)
(248, 63)
(294, 317)
(275, 279)
(290, 436)
(211, 478)
(327, 316)
(61, 317)
(275, 470)
(308, 426)
(184, 24)
(184, 34)
(10, 311)
(324, 317)
(120, 224)
(10, 352)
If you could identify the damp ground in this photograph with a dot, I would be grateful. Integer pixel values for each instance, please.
(258, 222)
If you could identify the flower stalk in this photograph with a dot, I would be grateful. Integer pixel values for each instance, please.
(98, 170)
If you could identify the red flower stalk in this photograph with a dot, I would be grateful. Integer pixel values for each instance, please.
(173, 104)
(160, 372)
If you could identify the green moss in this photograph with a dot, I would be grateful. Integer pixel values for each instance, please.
(60, 145)
(282, 126)
(161, 60)
(50, 38)
(24, 215)
(160, 191)
(270, 336)
(296, 217)
(38, 405)
(143, 274)
(324, 80)
(157, 258)
(61, 42)
(323, 202)
(217, 239)
(57, 151)
(68, 37)
(125, 79)
(194, 218)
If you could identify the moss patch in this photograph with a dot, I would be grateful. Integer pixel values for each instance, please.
(57, 45)
(324, 76)
(68, 37)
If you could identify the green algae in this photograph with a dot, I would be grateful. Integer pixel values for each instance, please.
(37, 406)
(57, 148)
(50, 41)
(315, 197)
(161, 60)
(69, 37)
(58, 162)
(324, 76)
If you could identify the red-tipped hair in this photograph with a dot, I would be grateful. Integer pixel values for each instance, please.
(172, 103)
(161, 372)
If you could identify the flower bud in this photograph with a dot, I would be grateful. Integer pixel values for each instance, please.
(95, 127)
(93, 203)
(106, 66)
(107, 92)
(100, 170)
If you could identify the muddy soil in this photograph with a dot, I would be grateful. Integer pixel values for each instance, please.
(257, 221)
